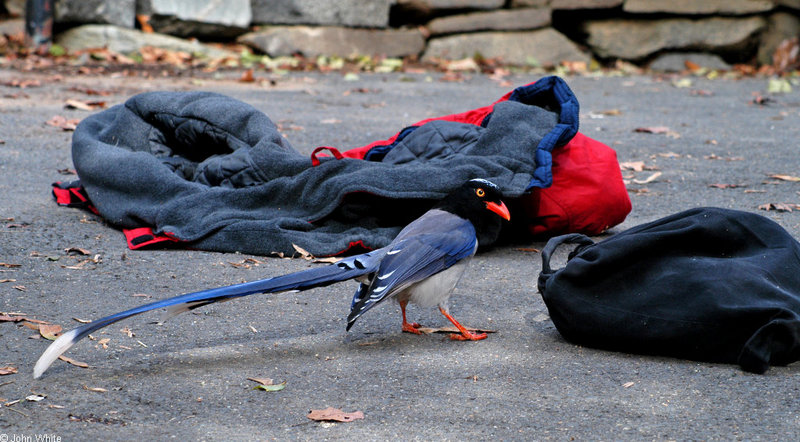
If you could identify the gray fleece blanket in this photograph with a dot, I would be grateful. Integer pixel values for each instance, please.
(215, 173)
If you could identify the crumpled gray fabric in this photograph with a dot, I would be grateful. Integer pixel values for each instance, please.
(215, 173)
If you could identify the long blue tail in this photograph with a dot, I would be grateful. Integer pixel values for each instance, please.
(345, 269)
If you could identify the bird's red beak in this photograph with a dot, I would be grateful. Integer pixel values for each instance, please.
(499, 209)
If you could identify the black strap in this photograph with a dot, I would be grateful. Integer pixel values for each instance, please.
(583, 241)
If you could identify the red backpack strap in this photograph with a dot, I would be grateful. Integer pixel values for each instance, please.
(72, 194)
(336, 154)
(144, 237)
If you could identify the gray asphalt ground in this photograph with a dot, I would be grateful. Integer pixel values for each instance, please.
(187, 379)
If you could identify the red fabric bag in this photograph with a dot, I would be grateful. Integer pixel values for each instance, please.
(587, 195)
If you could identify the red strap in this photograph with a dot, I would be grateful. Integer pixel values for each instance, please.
(72, 195)
(315, 161)
(143, 237)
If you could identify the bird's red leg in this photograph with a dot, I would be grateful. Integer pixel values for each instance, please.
(410, 327)
(465, 335)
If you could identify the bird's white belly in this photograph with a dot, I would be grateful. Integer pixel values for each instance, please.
(435, 290)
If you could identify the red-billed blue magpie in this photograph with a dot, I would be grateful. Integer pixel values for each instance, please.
(422, 265)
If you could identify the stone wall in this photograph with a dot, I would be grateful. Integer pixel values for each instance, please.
(521, 32)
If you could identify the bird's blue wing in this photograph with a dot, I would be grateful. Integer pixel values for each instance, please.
(432, 243)
(347, 268)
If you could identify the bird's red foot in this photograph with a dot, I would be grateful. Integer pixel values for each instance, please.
(468, 336)
(411, 327)
(465, 335)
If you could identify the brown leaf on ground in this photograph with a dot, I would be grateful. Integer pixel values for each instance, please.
(334, 414)
(22, 83)
(779, 207)
(11, 317)
(63, 123)
(247, 76)
(77, 251)
(267, 384)
(262, 381)
(701, 92)
(760, 99)
(793, 179)
(303, 252)
(9, 266)
(714, 156)
(50, 331)
(636, 166)
(90, 91)
(787, 55)
(7, 370)
(73, 362)
(726, 186)
(144, 23)
(649, 179)
(658, 130)
(95, 389)
(84, 105)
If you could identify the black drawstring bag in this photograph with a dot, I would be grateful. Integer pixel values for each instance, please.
(706, 284)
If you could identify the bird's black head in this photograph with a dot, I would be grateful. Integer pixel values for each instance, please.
(479, 201)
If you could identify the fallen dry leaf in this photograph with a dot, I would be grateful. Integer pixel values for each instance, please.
(658, 130)
(82, 321)
(9, 266)
(247, 76)
(50, 331)
(636, 166)
(90, 91)
(84, 105)
(128, 332)
(787, 55)
(333, 414)
(8, 370)
(144, 23)
(63, 123)
(726, 186)
(96, 389)
(13, 317)
(649, 179)
(267, 384)
(77, 251)
(7, 280)
(793, 179)
(22, 84)
(628, 384)
(303, 252)
(714, 156)
(701, 93)
(74, 362)
(779, 207)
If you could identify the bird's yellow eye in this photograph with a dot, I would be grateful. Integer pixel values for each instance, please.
(480, 192)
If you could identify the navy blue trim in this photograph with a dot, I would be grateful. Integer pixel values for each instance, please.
(551, 93)
(378, 152)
